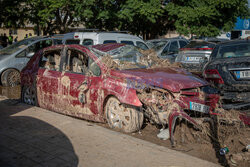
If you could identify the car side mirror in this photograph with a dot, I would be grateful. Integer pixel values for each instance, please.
(29, 55)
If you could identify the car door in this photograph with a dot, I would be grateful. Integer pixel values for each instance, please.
(78, 86)
(48, 79)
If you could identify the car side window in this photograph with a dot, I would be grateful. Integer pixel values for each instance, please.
(57, 42)
(141, 45)
(165, 50)
(94, 68)
(173, 47)
(51, 60)
(77, 62)
(87, 42)
(21, 54)
(39, 45)
(182, 43)
(109, 41)
(128, 42)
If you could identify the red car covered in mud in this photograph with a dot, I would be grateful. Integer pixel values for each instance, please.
(110, 82)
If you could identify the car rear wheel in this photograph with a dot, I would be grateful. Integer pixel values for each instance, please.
(29, 95)
(126, 118)
(10, 77)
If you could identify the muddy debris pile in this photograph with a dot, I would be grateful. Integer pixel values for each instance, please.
(149, 59)
(224, 130)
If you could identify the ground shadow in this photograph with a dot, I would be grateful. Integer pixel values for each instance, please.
(215, 142)
(27, 141)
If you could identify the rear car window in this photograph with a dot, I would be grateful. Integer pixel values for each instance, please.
(235, 50)
(128, 42)
(72, 41)
(200, 44)
(109, 41)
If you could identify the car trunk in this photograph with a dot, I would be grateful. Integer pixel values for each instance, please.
(235, 73)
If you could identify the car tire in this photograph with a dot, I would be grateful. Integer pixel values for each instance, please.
(119, 116)
(29, 95)
(10, 77)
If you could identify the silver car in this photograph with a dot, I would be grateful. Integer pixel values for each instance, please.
(15, 57)
(194, 54)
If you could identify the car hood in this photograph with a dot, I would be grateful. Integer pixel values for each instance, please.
(167, 78)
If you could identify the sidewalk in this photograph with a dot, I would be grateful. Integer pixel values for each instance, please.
(31, 136)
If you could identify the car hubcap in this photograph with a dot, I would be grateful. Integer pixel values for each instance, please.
(14, 78)
(118, 115)
(29, 96)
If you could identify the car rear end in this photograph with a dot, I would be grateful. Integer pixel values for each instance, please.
(229, 70)
(194, 54)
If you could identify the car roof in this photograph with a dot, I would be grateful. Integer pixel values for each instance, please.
(107, 47)
(166, 39)
(237, 41)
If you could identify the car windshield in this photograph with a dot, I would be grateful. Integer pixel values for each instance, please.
(127, 55)
(235, 50)
(17, 46)
(200, 44)
(130, 57)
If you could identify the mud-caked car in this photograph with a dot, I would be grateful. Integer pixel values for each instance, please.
(112, 83)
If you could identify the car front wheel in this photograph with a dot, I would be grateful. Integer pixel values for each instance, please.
(119, 116)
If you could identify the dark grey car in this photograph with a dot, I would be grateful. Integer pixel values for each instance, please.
(167, 48)
(15, 57)
(194, 54)
(229, 70)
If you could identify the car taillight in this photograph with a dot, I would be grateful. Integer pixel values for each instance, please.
(213, 75)
(76, 36)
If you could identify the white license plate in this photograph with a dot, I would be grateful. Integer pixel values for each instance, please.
(199, 107)
(242, 74)
(193, 58)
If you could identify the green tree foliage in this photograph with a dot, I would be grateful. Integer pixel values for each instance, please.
(57, 15)
(12, 13)
(145, 17)
(205, 17)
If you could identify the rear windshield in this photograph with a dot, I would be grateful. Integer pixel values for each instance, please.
(200, 44)
(235, 50)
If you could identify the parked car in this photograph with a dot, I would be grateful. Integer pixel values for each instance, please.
(94, 38)
(14, 57)
(193, 55)
(168, 48)
(92, 83)
(229, 70)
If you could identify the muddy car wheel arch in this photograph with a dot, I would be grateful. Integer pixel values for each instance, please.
(174, 115)
(29, 95)
(119, 116)
(10, 77)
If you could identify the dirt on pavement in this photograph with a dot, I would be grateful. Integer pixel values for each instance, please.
(234, 137)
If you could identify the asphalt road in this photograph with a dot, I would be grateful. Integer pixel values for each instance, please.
(31, 136)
